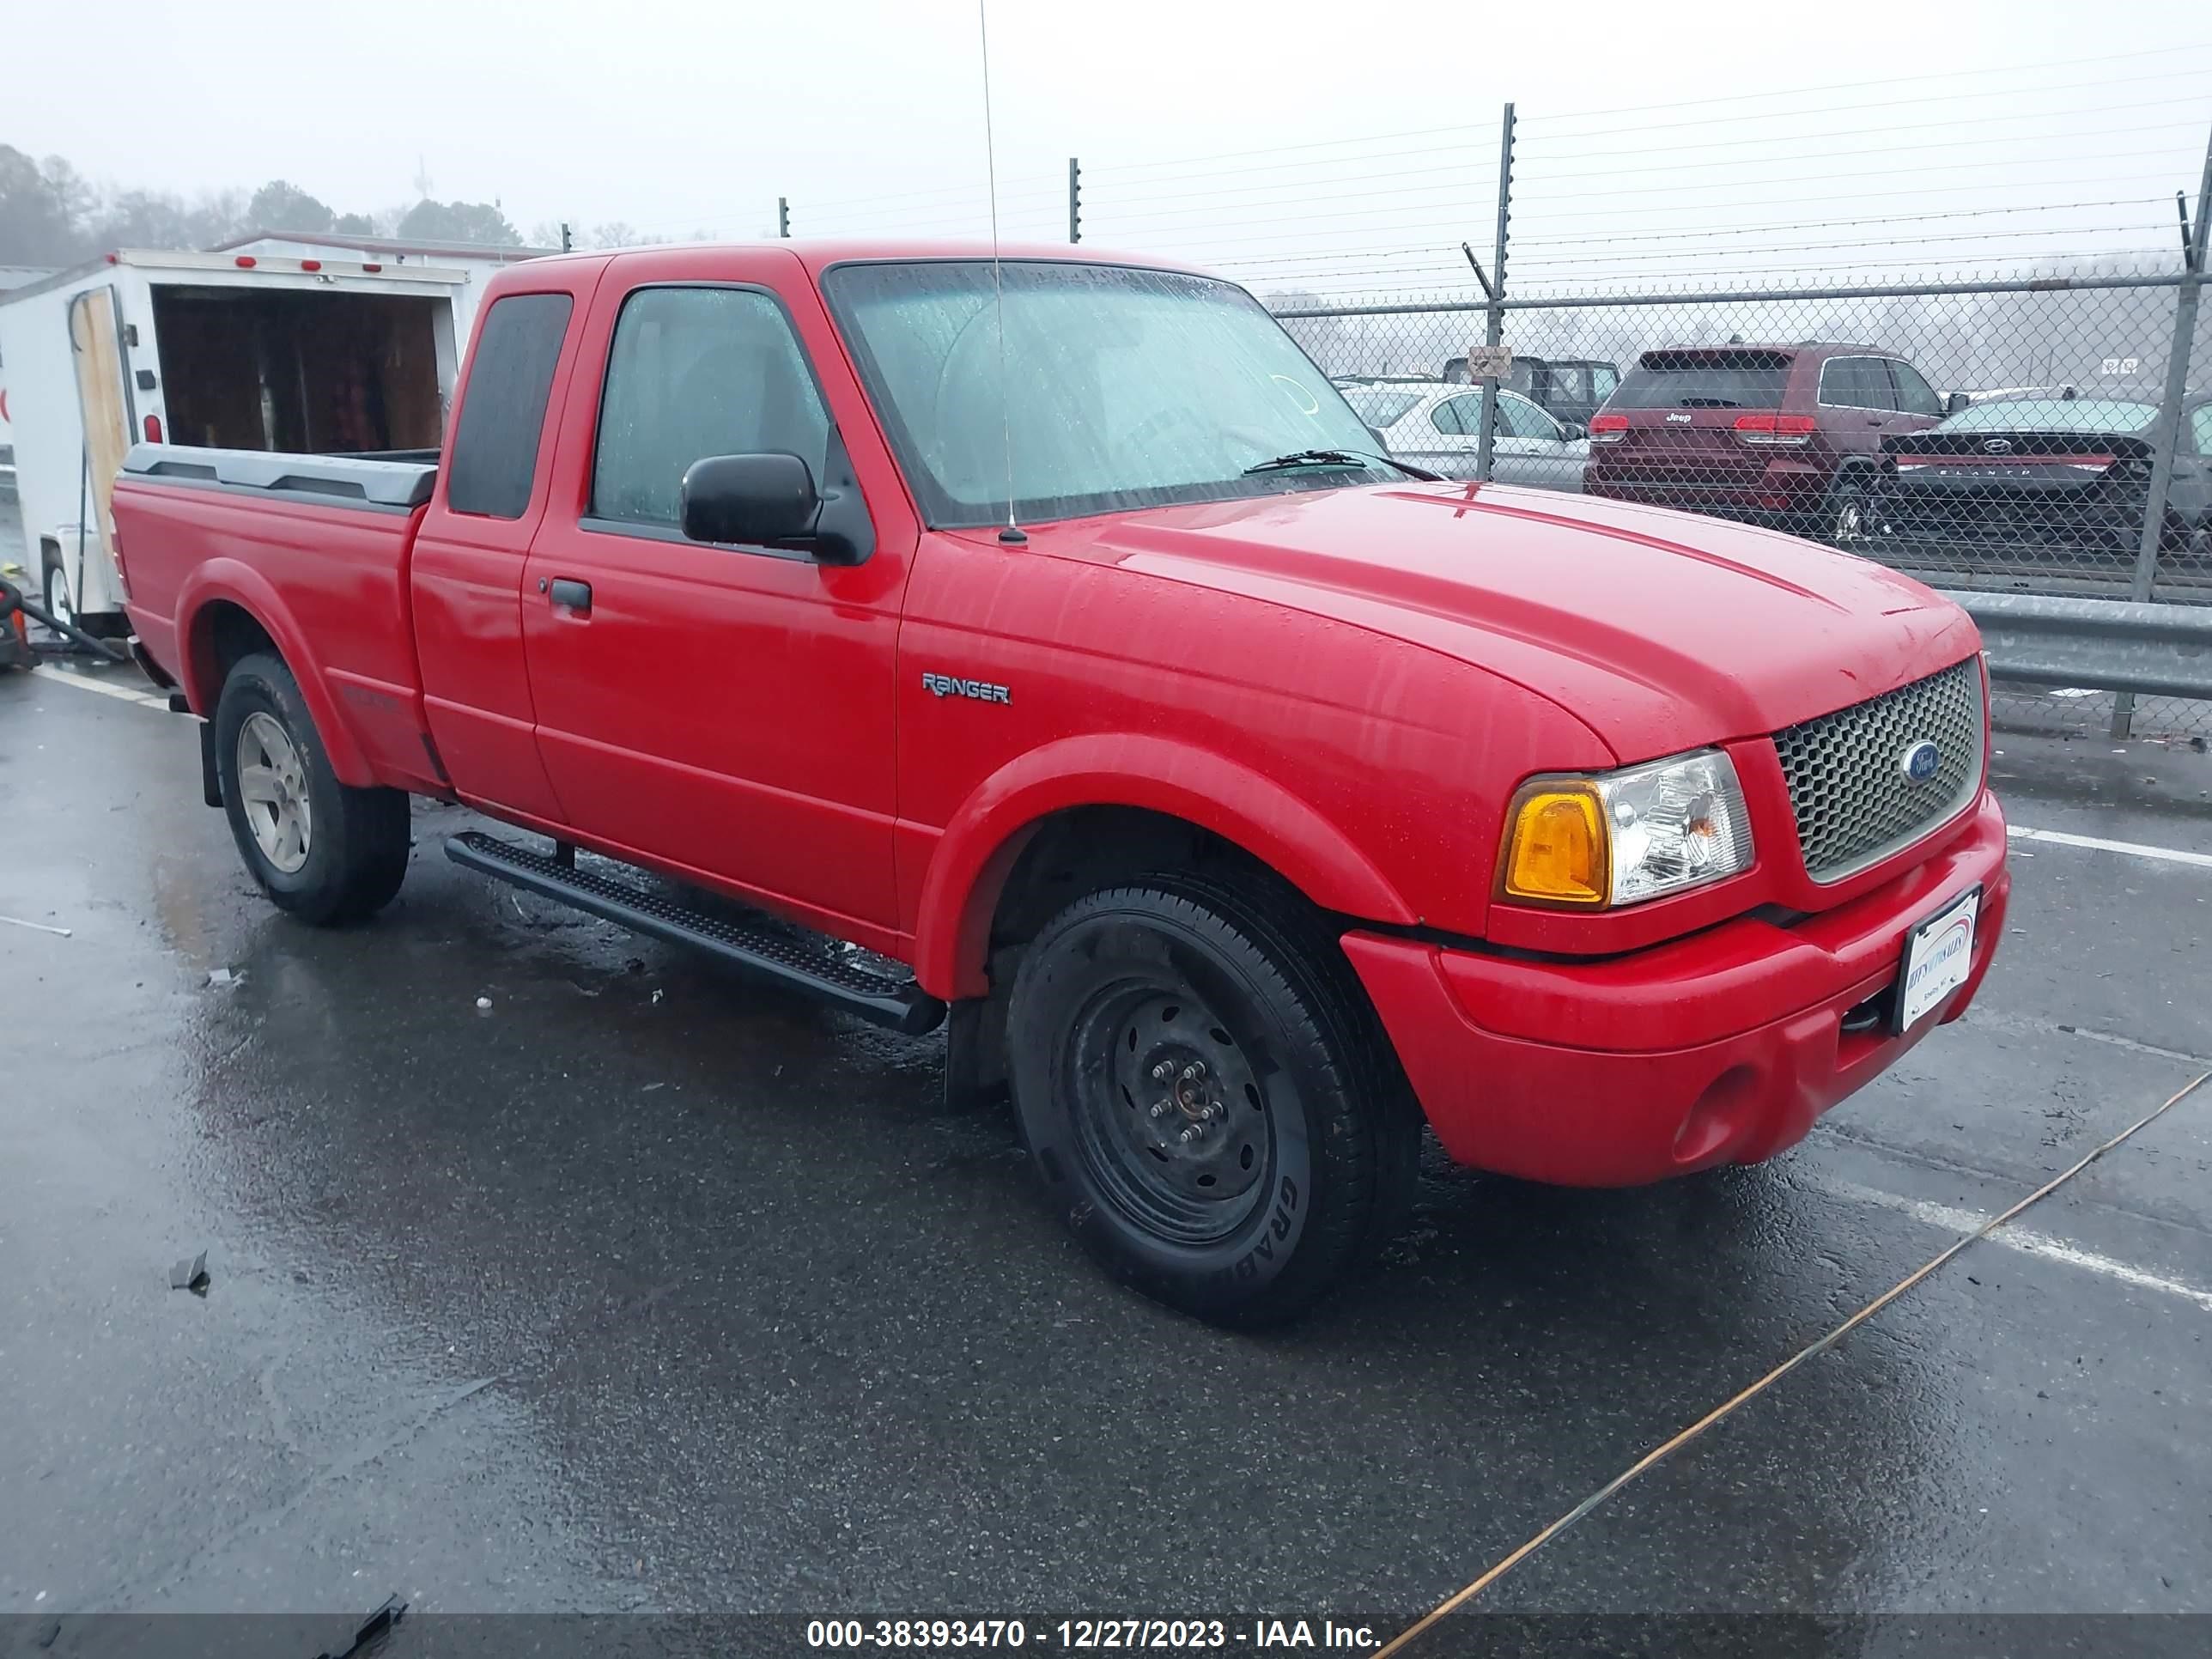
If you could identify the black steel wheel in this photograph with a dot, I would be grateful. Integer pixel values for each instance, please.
(1169, 1119)
(1208, 1096)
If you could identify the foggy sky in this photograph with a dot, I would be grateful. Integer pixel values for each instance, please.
(678, 115)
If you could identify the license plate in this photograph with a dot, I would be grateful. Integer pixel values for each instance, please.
(1939, 954)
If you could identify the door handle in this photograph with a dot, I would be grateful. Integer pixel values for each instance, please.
(573, 595)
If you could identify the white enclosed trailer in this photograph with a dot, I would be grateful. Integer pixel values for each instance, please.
(477, 263)
(220, 350)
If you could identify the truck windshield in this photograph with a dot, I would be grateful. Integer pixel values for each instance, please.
(1116, 388)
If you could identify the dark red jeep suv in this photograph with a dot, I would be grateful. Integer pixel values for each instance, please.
(1784, 434)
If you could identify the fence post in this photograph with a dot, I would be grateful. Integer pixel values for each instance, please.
(1494, 330)
(783, 215)
(2168, 432)
(1074, 200)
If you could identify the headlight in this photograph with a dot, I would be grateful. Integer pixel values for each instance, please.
(1621, 837)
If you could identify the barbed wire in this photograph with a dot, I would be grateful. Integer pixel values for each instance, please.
(2164, 51)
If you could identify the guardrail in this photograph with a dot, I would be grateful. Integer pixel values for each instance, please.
(2109, 645)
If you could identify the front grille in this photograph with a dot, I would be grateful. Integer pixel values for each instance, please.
(1853, 804)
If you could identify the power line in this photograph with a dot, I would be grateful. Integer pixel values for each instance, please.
(1885, 81)
(1885, 104)
(1550, 261)
(1424, 132)
(1535, 203)
(2177, 124)
(1937, 215)
(1919, 129)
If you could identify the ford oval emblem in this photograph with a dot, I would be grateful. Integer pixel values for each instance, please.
(1920, 761)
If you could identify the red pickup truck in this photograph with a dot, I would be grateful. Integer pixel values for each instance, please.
(1044, 647)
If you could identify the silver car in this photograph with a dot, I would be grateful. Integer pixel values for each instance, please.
(1432, 424)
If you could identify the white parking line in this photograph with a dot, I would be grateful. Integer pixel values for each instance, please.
(1947, 1219)
(2134, 849)
(106, 688)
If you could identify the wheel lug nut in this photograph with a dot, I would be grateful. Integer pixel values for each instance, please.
(1164, 1071)
(1159, 1108)
(1186, 1137)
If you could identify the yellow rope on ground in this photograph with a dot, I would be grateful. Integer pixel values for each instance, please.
(1492, 1574)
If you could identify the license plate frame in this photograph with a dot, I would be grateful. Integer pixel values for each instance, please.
(1927, 943)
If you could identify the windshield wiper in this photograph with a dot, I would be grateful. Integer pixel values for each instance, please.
(1339, 458)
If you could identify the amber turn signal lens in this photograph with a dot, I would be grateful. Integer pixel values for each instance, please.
(1558, 851)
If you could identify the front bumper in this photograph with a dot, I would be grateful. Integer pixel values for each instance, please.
(1719, 1049)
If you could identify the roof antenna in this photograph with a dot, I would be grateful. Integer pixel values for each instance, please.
(1012, 533)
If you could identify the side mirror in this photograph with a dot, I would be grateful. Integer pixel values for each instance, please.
(1955, 401)
(750, 498)
(1573, 431)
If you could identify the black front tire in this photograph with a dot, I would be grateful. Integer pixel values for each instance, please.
(1299, 1165)
(356, 850)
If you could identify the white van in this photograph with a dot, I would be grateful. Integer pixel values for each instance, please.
(227, 351)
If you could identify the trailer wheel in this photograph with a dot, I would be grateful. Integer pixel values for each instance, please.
(55, 591)
(1209, 1100)
(323, 850)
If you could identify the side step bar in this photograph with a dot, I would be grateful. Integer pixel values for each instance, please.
(789, 957)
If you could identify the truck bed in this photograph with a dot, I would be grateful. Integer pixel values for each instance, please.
(333, 536)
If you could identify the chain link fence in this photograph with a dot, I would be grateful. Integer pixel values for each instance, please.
(1951, 322)
(2009, 434)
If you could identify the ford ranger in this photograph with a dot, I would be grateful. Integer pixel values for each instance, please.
(1041, 647)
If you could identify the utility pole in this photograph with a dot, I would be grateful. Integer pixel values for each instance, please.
(567, 243)
(1074, 200)
(1493, 331)
(783, 215)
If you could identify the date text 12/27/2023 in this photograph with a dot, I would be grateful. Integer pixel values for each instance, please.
(1156, 1635)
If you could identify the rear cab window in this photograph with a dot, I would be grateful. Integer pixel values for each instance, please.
(1705, 378)
(496, 446)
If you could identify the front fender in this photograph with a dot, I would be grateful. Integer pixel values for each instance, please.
(220, 579)
(968, 868)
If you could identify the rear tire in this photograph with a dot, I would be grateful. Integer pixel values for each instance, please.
(321, 850)
(1208, 1098)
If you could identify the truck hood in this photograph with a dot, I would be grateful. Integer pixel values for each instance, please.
(1659, 631)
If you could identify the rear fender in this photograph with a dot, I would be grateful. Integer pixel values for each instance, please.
(220, 579)
(967, 870)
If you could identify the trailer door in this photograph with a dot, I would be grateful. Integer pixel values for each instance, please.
(104, 400)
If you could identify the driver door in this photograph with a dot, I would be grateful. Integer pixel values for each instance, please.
(727, 708)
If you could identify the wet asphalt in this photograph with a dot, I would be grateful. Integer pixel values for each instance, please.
(646, 1289)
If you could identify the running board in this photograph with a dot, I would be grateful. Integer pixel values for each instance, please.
(789, 957)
